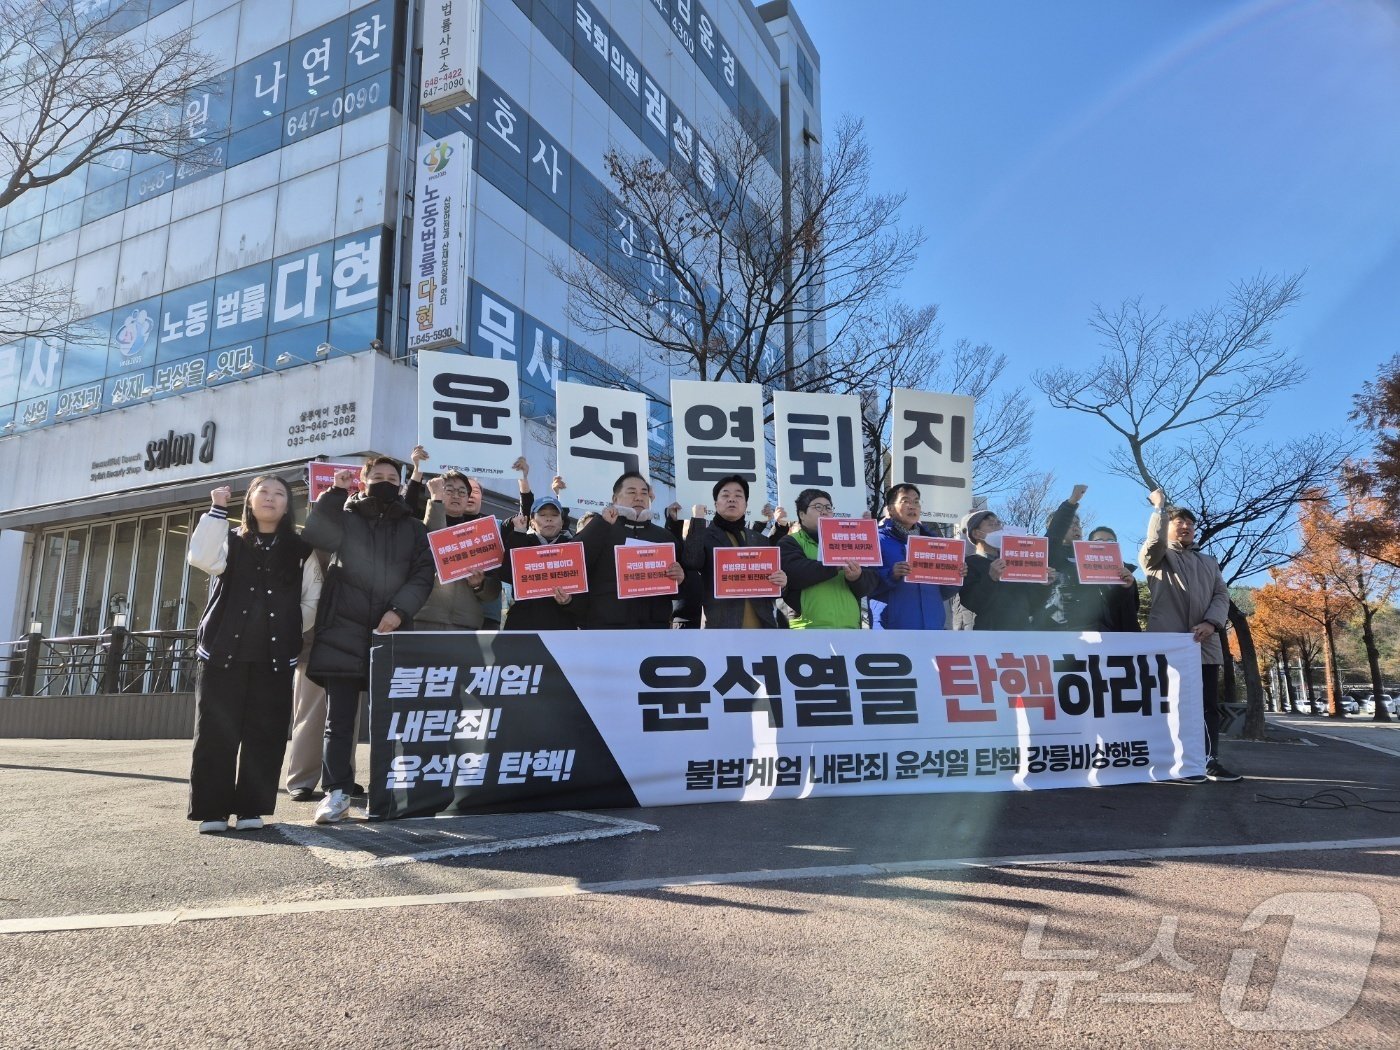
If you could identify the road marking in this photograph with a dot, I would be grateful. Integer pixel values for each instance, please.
(1303, 727)
(61, 923)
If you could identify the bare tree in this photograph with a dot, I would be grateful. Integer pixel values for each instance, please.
(1029, 506)
(1183, 395)
(77, 84)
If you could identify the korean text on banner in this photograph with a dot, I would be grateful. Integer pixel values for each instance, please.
(1027, 559)
(931, 447)
(468, 414)
(934, 559)
(602, 433)
(742, 572)
(845, 540)
(535, 572)
(820, 446)
(320, 476)
(642, 568)
(718, 431)
(1098, 561)
(437, 279)
(451, 53)
(473, 546)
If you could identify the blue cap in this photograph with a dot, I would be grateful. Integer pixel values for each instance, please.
(546, 501)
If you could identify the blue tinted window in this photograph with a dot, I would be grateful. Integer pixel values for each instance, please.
(240, 305)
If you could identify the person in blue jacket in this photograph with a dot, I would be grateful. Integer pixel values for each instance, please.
(896, 604)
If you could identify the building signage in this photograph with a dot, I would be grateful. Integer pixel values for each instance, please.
(451, 53)
(179, 450)
(441, 216)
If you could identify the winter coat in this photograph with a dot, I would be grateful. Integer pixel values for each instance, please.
(380, 561)
(455, 603)
(238, 571)
(897, 605)
(702, 539)
(820, 594)
(1002, 606)
(605, 609)
(1076, 606)
(1186, 588)
(540, 614)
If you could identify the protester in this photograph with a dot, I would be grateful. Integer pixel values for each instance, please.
(773, 525)
(1118, 606)
(266, 586)
(726, 529)
(455, 499)
(557, 612)
(820, 595)
(527, 497)
(1189, 596)
(628, 518)
(997, 606)
(1076, 606)
(380, 574)
(896, 604)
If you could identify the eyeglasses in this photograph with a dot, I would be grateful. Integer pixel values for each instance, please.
(457, 492)
(821, 508)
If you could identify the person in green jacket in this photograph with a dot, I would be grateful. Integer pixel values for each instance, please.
(820, 595)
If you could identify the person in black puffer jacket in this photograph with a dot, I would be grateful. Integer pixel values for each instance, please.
(629, 517)
(1075, 606)
(380, 574)
(727, 529)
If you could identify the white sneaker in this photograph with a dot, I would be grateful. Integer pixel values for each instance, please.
(332, 808)
(250, 824)
(210, 827)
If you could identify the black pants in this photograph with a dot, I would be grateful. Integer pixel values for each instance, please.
(1210, 706)
(240, 735)
(337, 757)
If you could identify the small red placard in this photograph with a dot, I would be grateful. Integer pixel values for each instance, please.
(1098, 561)
(321, 476)
(742, 572)
(846, 540)
(536, 571)
(460, 550)
(934, 559)
(641, 569)
(1027, 559)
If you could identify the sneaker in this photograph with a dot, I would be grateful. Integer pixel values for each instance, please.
(210, 827)
(307, 795)
(250, 824)
(332, 808)
(1215, 771)
(1199, 778)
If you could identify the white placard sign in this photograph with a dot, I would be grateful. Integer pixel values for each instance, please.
(468, 414)
(820, 447)
(437, 279)
(931, 447)
(601, 434)
(451, 53)
(718, 431)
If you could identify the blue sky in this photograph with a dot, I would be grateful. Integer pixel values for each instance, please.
(1063, 154)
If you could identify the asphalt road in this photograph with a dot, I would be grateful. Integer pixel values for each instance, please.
(945, 920)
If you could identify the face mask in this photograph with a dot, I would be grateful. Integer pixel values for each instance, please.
(383, 491)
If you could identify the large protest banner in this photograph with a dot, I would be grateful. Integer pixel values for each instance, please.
(931, 447)
(601, 433)
(718, 432)
(480, 722)
(468, 414)
(820, 445)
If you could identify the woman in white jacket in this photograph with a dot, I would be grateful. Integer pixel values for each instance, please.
(266, 584)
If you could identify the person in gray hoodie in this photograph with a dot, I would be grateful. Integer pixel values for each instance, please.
(1189, 596)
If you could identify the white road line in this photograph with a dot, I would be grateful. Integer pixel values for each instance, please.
(53, 924)
(1303, 727)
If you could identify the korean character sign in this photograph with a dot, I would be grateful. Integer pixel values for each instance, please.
(1027, 559)
(641, 569)
(742, 572)
(820, 446)
(460, 550)
(601, 433)
(931, 447)
(934, 559)
(469, 414)
(535, 572)
(320, 476)
(718, 431)
(440, 242)
(844, 540)
(451, 53)
(1098, 561)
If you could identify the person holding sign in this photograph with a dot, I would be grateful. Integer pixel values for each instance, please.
(560, 611)
(380, 574)
(727, 531)
(897, 603)
(266, 585)
(821, 595)
(1077, 605)
(998, 606)
(627, 520)
(455, 499)
(1118, 606)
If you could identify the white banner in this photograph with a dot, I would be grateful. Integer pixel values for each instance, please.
(451, 53)
(820, 446)
(601, 433)
(583, 719)
(931, 447)
(718, 431)
(468, 414)
(437, 279)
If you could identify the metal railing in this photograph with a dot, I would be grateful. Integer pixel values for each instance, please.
(116, 661)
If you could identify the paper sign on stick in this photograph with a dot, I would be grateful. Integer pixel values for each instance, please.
(1027, 559)
(742, 572)
(641, 569)
(1098, 561)
(845, 540)
(537, 571)
(934, 559)
(468, 414)
(460, 550)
